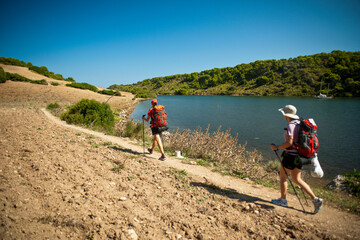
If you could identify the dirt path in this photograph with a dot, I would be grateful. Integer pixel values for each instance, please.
(59, 181)
(244, 190)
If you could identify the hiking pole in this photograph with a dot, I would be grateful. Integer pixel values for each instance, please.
(143, 135)
(307, 204)
(289, 179)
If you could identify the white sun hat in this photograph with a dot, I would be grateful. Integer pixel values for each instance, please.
(289, 111)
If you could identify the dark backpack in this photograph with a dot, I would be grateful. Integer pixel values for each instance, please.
(308, 142)
(160, 116)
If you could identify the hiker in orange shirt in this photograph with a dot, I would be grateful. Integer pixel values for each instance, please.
(158, 125)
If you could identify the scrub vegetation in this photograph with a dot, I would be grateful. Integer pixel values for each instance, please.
(337, 72)
(90, 113)
(41, 70)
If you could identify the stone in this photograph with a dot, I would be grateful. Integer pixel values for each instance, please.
(131, 234)
(338, 184)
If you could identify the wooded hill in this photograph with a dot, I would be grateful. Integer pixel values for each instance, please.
(338, 72)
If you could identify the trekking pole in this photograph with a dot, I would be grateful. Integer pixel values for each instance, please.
(289, 179)
(143, 135)
(307, 204)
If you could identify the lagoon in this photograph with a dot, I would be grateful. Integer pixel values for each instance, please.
(258, 123)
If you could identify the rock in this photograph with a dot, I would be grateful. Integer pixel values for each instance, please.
(131, 234)
(277, 227)
(123, 199)
(252, 205)
(338, 184)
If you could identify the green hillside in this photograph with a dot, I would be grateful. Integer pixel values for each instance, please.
(338, 71)
(41, 70)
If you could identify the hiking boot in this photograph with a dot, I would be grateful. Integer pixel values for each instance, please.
(150, 150)
(162, 158)
(317, 204)
(280, 202)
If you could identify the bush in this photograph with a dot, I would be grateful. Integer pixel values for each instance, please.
(2, 75)
(83, 86)
(181, 91)
(42, 82)
(16, 77)
(12, 61)
(145, 95)
(261, 81)
(91, 114)
(110, 92)
(52, 106)
(133, 130)
(352, 180)
(41, 70)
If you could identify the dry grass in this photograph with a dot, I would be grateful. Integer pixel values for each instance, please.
(219, 147)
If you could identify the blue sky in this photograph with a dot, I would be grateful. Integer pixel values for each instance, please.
(123, 42)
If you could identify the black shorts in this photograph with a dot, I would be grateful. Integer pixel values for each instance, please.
(290, 161)
(158, 130)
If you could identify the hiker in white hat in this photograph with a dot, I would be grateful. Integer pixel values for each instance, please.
(290, 159)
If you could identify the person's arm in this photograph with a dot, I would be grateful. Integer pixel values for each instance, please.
(148, 117)
(288, 143)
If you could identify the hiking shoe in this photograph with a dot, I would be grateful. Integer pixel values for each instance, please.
(162, 158)
(317, 204)
(280, 202)
(150, 150)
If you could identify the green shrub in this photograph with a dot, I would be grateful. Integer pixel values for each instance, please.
(17, 77)
(83, 86)
(12, 61)
(145, 95)
(41, 70)
(133, 129)
(181, 91)
(353, 181)
(55, 84)
(110, 92)
(42, 82)
(91, 114)
(52, 106)
(2, 75)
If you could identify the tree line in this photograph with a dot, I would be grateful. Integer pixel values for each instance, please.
(41, 70)
(337, 72)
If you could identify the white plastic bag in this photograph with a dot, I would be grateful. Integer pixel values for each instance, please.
(316, 170)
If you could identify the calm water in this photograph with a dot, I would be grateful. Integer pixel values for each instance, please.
(259, 123)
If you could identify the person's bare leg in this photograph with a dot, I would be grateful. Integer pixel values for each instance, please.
(158, 140)
(283, 183)
(296, 176)
(154, 144)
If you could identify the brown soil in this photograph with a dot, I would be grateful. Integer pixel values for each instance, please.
(58, 181)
